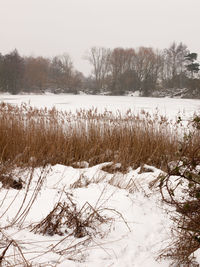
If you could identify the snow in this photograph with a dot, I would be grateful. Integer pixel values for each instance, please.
(165, 106)
(139, 226)
(136, 225)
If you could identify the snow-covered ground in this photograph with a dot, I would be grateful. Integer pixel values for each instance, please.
(165, 106)
(129, 225)
(135, 225)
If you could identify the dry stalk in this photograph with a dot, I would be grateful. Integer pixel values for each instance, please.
(15, 259)
(180, 188)
(49, 136)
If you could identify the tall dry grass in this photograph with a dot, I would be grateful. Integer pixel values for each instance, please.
(39, 136)
(32, 137)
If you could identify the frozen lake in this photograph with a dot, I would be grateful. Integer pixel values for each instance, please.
(167, 106)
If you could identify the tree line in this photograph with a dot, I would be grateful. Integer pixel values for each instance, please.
(115, 71)
(144, 69)
(37, 74)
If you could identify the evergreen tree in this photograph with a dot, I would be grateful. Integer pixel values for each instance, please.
(193, 66)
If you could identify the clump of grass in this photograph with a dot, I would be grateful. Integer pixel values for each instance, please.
(67, 219)
(43, 136)
(80, 224)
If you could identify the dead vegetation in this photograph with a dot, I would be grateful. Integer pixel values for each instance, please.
(180, 188)
(67, 219)
(11, 247)
(39, 136)
(77, 226)
(32, 137)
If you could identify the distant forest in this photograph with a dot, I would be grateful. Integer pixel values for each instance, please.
(113, 71)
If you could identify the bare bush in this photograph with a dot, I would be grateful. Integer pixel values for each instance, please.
(181, 189)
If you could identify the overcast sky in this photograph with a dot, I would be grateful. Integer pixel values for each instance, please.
(52, 27)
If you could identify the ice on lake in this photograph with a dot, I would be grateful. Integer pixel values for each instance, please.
(171, 107)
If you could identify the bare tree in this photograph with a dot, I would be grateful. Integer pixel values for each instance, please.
(121, 68)
(148, 65)
(62, 72)
(174, 68)
(99, 58)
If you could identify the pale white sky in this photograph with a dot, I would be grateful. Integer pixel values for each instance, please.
(52, 27)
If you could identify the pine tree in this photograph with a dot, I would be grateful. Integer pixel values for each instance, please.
(193, 66)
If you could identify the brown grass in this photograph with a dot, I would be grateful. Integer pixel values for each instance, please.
(36, 137)
(39, 136)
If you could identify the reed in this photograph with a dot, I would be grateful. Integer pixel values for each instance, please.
(38, 136)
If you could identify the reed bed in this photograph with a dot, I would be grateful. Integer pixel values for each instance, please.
(40, 136)
(36, 137)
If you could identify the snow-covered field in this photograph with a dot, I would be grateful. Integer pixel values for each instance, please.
(134, 229)
(129, 225)
(165, 106)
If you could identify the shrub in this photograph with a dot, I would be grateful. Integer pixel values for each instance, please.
(181, 189)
